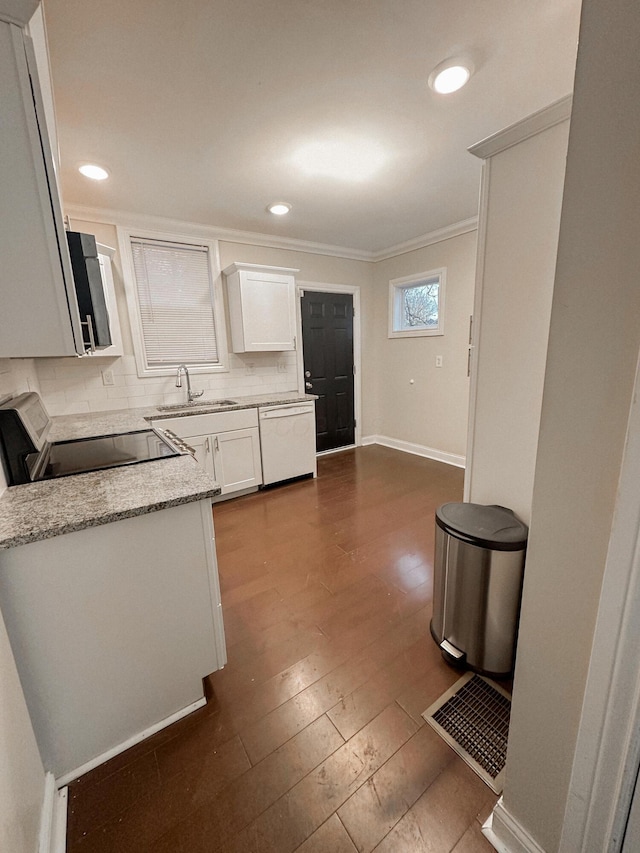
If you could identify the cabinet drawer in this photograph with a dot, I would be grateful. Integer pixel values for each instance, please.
(209, 423)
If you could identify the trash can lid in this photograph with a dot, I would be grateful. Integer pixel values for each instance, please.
(493, 527)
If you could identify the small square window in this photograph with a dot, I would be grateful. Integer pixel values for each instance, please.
(416, 305)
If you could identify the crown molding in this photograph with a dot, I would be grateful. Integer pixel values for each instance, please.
(446, 233)
(543, 119)
(17, 12)
(108, 216)
(208, 232)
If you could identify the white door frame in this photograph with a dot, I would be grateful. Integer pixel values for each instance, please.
(607, 754)
(352, 290)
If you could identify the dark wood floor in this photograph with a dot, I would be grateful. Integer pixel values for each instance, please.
(312, 738)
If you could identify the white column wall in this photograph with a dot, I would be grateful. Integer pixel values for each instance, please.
(593, 349)
(523, 186)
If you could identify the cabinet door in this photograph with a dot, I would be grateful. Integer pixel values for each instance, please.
(39, 315)
(202, 446)
(236, 459)
(268, 312)
(104, 258)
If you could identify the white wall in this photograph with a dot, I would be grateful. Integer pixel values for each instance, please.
(22, 778)
(71, 386)
(431, 412)
(593, 349)
(523, 185)
(324, 269)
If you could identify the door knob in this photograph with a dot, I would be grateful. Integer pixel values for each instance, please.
(308, 385)
(307, 374)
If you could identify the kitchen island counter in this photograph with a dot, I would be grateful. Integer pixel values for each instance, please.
(50, 508)
(110, 595)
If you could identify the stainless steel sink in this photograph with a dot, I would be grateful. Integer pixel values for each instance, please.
(196, 404)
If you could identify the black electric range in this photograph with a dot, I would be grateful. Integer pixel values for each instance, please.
(28, 457)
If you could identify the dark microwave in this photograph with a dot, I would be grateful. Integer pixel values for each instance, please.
(87, 279)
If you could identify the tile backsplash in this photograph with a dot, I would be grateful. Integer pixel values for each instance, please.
(17, 375)
(75, 385)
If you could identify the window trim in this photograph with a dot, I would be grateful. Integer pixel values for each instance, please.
(397, 284)
(125, 236)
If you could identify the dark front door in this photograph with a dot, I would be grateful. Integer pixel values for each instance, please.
(327, 341)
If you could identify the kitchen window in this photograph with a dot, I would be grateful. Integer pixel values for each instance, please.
(175, 302)
(416, 305)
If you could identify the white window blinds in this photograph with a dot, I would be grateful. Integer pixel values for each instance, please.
(175, 297)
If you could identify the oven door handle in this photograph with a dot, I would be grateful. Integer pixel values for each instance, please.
(37, 463)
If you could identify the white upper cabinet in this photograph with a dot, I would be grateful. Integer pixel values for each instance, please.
(261, 307)
(39, 315)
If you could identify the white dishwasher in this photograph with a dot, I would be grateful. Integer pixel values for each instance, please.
(287, 441)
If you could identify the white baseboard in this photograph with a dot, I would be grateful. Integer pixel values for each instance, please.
(132, 741)
(53, 819)
(416, 449)
(504, 833)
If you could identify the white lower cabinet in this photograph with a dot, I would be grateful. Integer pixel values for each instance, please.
(236, 459)
(226, 444)
(202, 446)
(113, 629)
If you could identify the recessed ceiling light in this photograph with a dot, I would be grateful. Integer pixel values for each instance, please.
(96, 173)
(279, 208)
(450, 76)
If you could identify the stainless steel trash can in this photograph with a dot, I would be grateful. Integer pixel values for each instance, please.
(478, 570)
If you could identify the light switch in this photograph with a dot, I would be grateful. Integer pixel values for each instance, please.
(438, 361)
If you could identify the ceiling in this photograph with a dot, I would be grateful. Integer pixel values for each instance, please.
(208, 111)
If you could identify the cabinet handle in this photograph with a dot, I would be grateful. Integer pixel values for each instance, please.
(217, 445)
(88, 324)
(206, 445)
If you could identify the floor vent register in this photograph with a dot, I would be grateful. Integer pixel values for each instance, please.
(473, 718)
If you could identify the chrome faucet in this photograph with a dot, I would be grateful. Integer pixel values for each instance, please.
(191, 395)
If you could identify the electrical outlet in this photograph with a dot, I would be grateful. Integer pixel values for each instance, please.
(438, 361)
(107, 377)
(282, 367)
(250, 369)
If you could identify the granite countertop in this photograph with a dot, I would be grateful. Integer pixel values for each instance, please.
(65, 427)
(51, 507)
